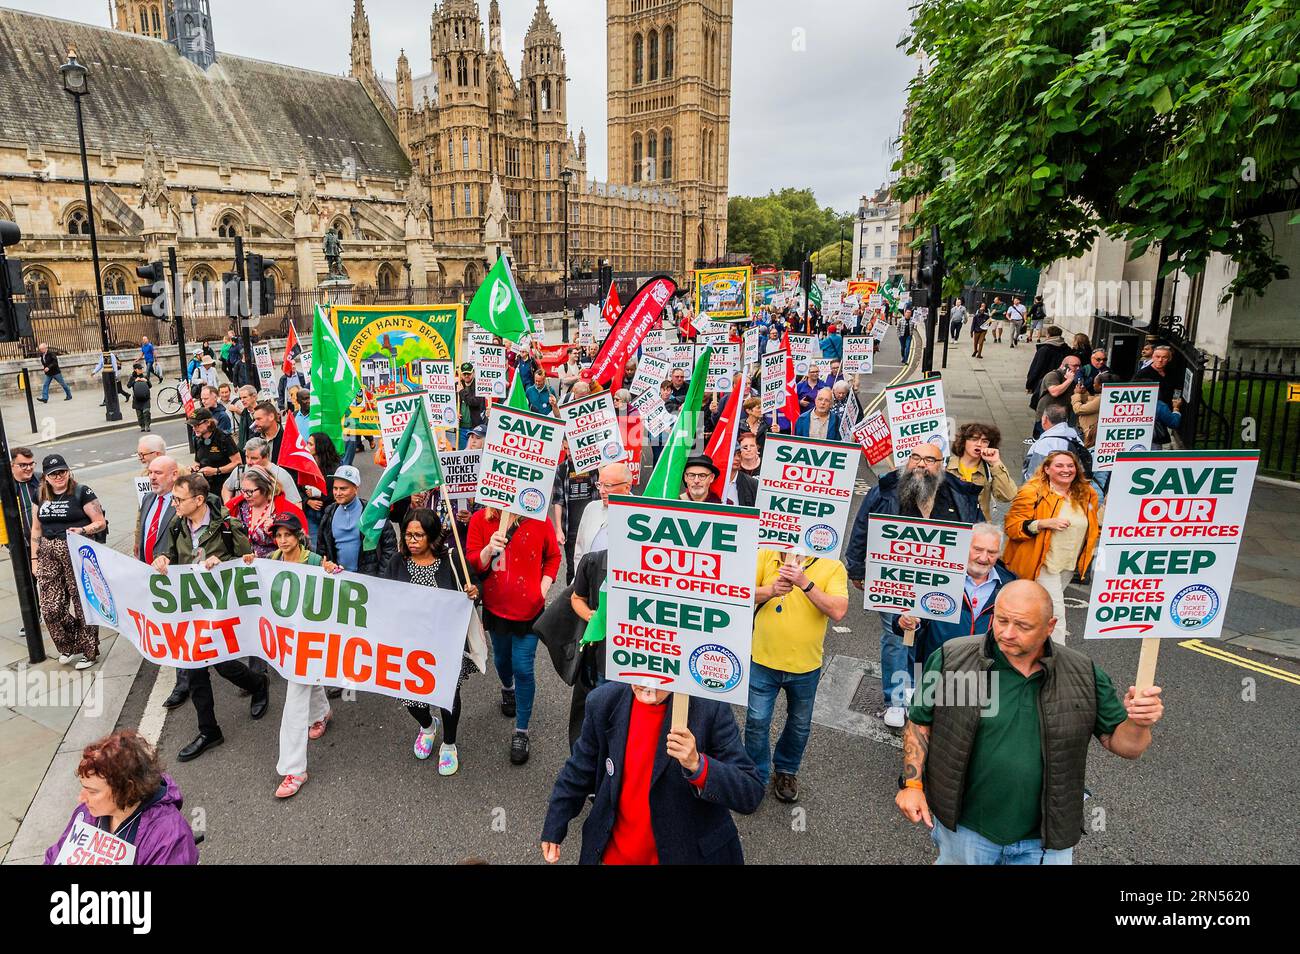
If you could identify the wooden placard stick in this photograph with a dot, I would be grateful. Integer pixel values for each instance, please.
(451, 528)
(681, 709)
(1146, 675)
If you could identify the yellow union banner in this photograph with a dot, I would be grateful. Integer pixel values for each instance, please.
(723, 293)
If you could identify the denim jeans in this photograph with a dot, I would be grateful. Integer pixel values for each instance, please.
(45, 390)
(800, 691)
(905, 347)
(966, 847)
(895, 662)
(513, 657)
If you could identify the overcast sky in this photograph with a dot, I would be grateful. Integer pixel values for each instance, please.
(823, 116)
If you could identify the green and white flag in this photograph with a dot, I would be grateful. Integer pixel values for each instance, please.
(414, 468)
(498, 307)
(334, 384)
(815, 294)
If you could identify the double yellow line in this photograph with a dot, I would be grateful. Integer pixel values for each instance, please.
(905, 372)
(1196, 646)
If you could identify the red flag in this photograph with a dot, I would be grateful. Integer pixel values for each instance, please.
(631, 432)
(292, 351)
(612, 306)
(792, 410)
(295, 457)
(722, 445)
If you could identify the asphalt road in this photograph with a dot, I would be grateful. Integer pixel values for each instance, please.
(1217, 785)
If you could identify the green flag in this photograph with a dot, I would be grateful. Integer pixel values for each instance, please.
(334, 384)
(815, 294)
(518, 397)
(666, 479)
(498, 307)
(414, 467)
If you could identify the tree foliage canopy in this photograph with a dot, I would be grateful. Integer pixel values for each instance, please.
(781, 227)
(1043, 123)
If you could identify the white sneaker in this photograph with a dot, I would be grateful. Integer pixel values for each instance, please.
(84, 663)
(65, 658)
(895, 716)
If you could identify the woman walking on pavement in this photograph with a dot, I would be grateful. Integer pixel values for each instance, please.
(65, 507)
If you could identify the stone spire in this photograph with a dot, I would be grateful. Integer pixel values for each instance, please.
(362, 65)
(494, 28)
(543, 28)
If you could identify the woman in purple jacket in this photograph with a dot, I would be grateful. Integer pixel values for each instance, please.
(125, 793)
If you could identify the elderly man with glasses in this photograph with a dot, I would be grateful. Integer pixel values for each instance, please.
(919, 488)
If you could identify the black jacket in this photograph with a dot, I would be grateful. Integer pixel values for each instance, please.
(370, 562)
(1048, 356)
(746, 489)
(691, 826)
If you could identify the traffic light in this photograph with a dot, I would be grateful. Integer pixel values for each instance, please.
(15, 317)
(261, 284)
(805, 274)
(606, 278)
(153, 294)
(924, 265)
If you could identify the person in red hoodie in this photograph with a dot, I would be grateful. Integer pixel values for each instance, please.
(518, 558)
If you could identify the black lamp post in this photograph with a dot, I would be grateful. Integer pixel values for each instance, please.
(75, 83)
(704, 205)
(566, 176)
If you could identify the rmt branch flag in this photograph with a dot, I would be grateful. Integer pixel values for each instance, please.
(805, 489)
(1174, 521)
(916, 566)
(916, 416)
(520, 455)
(313, 627)
(681, 596)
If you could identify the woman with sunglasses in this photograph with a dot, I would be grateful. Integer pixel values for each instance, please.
(258, 501)
(65, 507)
(424, 558)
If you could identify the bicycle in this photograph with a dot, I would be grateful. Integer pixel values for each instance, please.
(169, 400)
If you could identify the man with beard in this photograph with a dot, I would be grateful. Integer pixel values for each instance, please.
(920, 488)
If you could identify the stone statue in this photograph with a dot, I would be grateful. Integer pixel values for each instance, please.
(334, 252)
(304, 188)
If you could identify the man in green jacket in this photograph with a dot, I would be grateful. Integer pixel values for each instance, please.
(996, 743)
(201, 533)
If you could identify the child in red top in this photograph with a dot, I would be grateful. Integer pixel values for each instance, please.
(518, 567)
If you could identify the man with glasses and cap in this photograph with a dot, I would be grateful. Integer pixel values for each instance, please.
(698, 478)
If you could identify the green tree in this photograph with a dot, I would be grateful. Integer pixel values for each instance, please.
(834, 260)
(781, 227)
(1042, 123)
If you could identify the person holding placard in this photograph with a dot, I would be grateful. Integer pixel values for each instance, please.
(1052, 530)
(518, 561)
(796, 596)
(126, 794)
(998, 774)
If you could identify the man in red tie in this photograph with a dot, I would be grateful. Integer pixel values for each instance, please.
(156, 516)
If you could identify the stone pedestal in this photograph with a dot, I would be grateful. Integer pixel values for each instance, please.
(335, 291)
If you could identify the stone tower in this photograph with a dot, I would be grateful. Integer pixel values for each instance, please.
(543, 83)
(362, 66)
(669, 70)
(142, 17)
(189, 26)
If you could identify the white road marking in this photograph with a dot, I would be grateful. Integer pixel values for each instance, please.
(154, 717)
(841, 629)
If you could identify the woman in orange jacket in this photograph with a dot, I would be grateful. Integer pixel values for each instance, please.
(1052, 529)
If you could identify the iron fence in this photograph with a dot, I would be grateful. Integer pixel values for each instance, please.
(1254, 405)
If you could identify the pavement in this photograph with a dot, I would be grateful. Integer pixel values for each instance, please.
(1213, 788)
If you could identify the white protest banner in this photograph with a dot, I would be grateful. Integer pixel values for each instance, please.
(659, 340)
(772, 381)
(876, 301)
(805, 489)
(460, 473)
(591, 425)
(439, 380)
(873, 435)
(651, 371)
(89, 844)
(1126, 421)
(859, 354)
(304, 361)
(713, 339)
(680, 598)
(805, 351)
(520, 455)
(313, 627)
(916, 416)
(395, 412)
(823, 366)
(655, 416)
(750, 339)
(265, 369)
(490, 372)
(916, 566)
(1168, 549)
(142, 487)
(724, 363)
(879, 328)
(477, 341)
(682, 356)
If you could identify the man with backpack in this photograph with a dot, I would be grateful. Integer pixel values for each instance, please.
(140, 388)
(1057, 435)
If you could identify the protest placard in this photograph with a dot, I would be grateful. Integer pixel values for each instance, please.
(772, 381)
(805, 351)
(477, 341)
(651, 371)
(591, 426)
(873, 435)
(916, 416)
(682, 356)
(460, 473)
(490, 372)
(520, 455)
(439, 381)
(724, 363)
(859, 354)
(142, 487)
(750, 339)
(916, 566)
(89, 844)
(805, 489)
(312, 627)
(680, 596)
(395, 412)
(265, 370)
(655, 416)
(1126, 421)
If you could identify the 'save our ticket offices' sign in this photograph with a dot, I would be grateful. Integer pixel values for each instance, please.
(1126, 421)
(916, 566)
(805, 489)
(916, 416)
(591, 425)
(681, 596)
(520, 454)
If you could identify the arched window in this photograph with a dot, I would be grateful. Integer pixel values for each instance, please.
(532, 98)
(451, 155)
(464, 152)
(652, 54)
(386, 278)
(480, 152)
(144, 22)
(546, 95)
(638, 60)
(446, 71)
(342, 225)
(651, 155)
(462, 71)
(157, 28)
(546, 159)
(668, 52)
(668, 154)
(115, 282)
(78, 221)
(38, 285)
(468, 213)
(228, 227)
(477, 75)
(717, 58)
(636, 158)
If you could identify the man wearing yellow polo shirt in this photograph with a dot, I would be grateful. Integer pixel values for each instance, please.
(796, 596)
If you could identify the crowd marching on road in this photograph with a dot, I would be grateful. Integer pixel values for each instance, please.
(1002, 789)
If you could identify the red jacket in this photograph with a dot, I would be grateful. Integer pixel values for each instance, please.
(512, 586)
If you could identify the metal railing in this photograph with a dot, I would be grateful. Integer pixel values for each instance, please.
(1250, 404)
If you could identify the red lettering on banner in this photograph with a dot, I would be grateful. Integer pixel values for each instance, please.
(683, 562)
(203, 649)
(175, 636)
(307, 648)
(227, 628)
(385, 667)
(529, 445)
(1177, 510)
(421, 664)
(807, 475)
(903, 548)
(266, 634)
(351, 671)
(913, 407)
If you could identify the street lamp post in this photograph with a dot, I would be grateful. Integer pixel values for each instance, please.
(566, 175)
(75, 83)
(703, 208)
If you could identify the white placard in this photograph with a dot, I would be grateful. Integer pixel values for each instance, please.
(395, 412)
(805, 490)
(492, 369)
(591, 426)
(651, 371)
(916, 566)
(916, 416)
(859, 354)
(520, 455)
(439, 381)
(772, 381)
(1126, 421)
(460, 472)
(656, 419)
(724, 363)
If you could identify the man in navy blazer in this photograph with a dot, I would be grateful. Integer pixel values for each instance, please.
(689, 780)
(154, 521)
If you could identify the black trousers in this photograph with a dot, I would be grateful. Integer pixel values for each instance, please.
(591, 673)
(201, 690)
